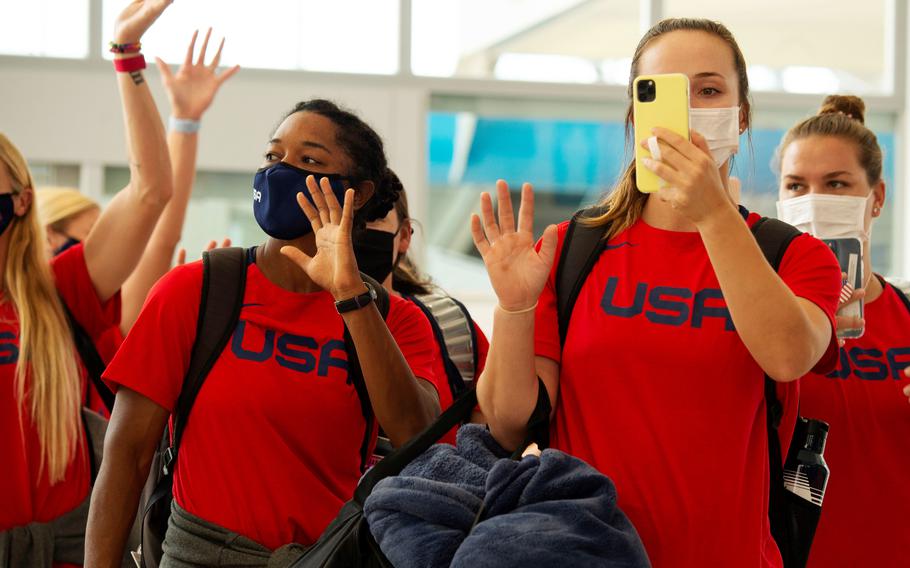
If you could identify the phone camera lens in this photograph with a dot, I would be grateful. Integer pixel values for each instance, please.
(647, 91)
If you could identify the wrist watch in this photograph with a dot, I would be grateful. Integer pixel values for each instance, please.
(357, 302)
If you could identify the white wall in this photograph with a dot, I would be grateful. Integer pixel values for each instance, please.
(69, 112)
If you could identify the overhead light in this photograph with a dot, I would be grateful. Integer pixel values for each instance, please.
(616, 71)
(545, 68)
(763, 78)
(809, 80)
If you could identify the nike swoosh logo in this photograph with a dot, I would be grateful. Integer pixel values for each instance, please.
(250, 305)
(619, 245)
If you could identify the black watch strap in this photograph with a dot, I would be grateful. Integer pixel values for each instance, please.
(357, 302)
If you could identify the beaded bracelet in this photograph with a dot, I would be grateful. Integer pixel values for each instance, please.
(125, 47)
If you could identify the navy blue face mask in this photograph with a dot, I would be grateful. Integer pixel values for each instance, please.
(70, 243)
(275, 204)
(7, 213)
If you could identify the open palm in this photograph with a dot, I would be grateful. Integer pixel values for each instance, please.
(518, 270)
(333, 267)
(136, 18)
(192, 89)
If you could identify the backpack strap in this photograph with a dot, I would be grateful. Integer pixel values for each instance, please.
(223, 284)
(900, 293)
(91, 360)
(355, 372)
(453, 330)
(580, 250)
(774, 237)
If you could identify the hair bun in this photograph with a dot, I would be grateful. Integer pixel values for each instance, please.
(848, 105)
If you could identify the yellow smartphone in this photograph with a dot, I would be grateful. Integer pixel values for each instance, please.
(657, 100)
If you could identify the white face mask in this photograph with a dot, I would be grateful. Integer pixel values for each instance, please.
(826, 216)
(720, 127)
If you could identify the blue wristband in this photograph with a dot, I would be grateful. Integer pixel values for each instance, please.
(185, 125)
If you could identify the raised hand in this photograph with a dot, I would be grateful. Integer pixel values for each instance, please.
(181, 253)
(192, 89)
(694, 187)
(136, 18)
(517, 270)
(333, 267)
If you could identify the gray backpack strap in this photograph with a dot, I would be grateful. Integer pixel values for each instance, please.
(454, 331)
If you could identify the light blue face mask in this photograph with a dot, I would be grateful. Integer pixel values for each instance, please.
(275, 204)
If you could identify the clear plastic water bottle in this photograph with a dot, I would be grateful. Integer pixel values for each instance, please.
(805, 471)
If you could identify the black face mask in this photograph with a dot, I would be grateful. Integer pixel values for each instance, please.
(70, 243)
(373, 250)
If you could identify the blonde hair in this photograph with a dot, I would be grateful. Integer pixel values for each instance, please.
(623, 206)
(47, 375)
(841, 116)
(58, 205)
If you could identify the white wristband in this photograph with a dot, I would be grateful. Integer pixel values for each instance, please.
(184, 125)
(516, 312)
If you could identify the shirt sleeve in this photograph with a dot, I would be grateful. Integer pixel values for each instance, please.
(414, 336)
(546, 318)
(481, 348)
(810, 270)
(74, 284)
(156, 353)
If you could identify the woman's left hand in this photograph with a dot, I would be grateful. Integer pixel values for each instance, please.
(907, 388)
(333, 268)
(694, 187)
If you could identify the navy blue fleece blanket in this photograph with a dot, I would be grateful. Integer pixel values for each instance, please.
(552, 510)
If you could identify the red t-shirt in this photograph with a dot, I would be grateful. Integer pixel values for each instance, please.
(864, 518)
(272, 446)
(24, 497)
(658, 392)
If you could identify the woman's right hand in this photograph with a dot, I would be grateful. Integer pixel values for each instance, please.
(192, 88)
(137, 18)
(848, 322)
(518, 270)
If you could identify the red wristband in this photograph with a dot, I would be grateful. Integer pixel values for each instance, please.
(130, 64)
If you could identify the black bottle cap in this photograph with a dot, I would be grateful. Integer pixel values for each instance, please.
(816, 434)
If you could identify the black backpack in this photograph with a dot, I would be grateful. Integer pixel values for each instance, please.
(793, 521)
(223, 284)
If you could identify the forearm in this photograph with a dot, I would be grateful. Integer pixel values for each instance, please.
(402, 406)
(769, 318)
(115, 499)
(115, 244)
(507, 389)
(158, 255)
(150, 167)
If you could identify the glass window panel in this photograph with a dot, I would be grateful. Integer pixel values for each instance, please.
(820, 46)
(220, 206)
(47, 174)
(572, 162)
(51, 28)
(568, 41)
(348, 36)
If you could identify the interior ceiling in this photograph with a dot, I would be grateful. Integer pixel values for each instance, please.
(776, 33)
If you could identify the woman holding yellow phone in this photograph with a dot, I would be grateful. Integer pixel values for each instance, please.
(657, 379)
